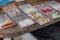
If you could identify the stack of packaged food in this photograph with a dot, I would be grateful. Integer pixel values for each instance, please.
(5, 2)
(5, 21)
(48, 11)
(34, 14)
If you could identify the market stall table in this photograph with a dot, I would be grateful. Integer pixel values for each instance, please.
(15, 30)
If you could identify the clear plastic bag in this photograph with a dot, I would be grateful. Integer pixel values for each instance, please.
(19, 17)
(19, 0)
(48, 11)
(34, 14)
(27, 8)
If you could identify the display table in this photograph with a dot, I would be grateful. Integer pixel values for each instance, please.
(17, 31)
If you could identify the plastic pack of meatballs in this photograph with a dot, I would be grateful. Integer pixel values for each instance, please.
(34, 14)
(19, 0)
(5, 21)
(27, 8)
(48, 11)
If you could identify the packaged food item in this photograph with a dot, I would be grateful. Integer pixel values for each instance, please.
(34, 14)
(54, 15)
(18, 16)
(39, 18)
(36, 2)
(51, 3)
(28, 36)
(32, 1)
(27, 8)
(5, 22)
(55, 5)
(48, 11)
(5, 2)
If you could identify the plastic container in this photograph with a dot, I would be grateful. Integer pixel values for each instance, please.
(34, 2)
(19, 0)
(28, 36)
(19, 17)
(7, 39)
(48, 11)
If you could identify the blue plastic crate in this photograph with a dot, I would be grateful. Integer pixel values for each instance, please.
(5, 2)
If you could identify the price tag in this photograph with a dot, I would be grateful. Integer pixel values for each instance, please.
(18, 16)
(19, 0)
(5, 22)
